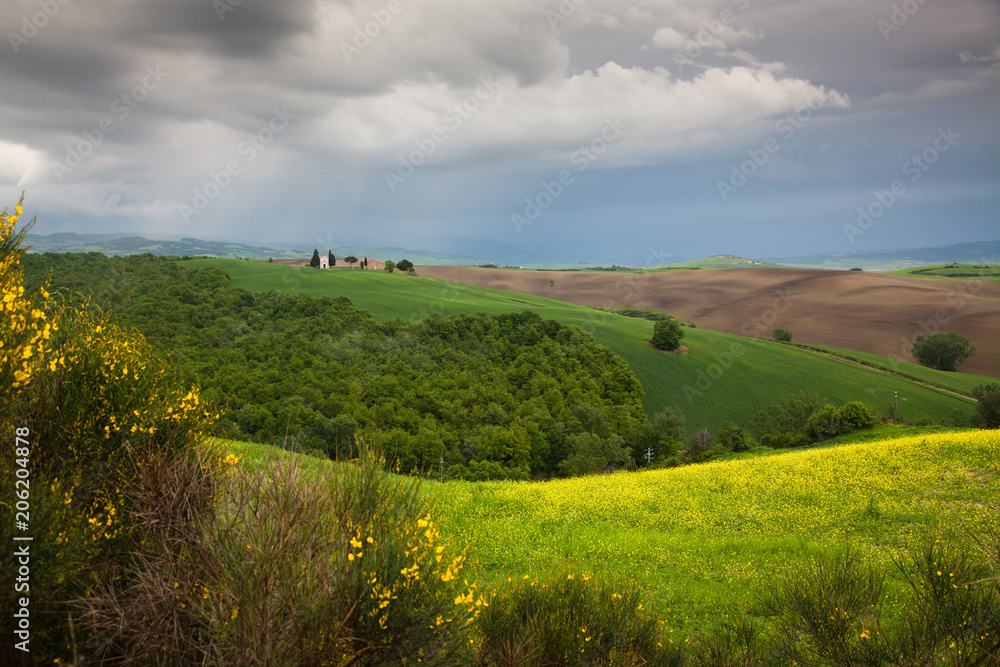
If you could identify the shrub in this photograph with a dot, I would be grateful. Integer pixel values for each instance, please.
(735, 438)
(988, 407)
(855, 415)
(829, 613)
(832, 613)
(783, 335)
(591, 453)
(570, 620)
(341, 565)
(824, 423)
(667, 334)
(98, 408)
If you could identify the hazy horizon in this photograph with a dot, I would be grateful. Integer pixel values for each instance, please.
(580, 128)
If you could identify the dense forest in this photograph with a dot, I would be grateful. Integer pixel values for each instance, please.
(508, 396)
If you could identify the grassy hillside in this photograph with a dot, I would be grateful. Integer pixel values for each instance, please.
(961, 382)
(702, 539)
(723, 377)
(989, 272)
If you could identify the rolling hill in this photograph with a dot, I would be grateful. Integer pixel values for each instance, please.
(722, 377)
(869, 312)
(703, 540)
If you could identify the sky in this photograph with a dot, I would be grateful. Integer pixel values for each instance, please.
(636, 132)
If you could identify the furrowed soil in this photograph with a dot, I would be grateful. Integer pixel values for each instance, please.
(869, 312)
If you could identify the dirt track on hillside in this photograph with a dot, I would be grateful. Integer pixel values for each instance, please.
(869, 312)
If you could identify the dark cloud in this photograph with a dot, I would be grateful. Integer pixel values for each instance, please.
(363, 102)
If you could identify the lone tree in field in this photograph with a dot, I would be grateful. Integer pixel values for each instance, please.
(667, 334)
(351, 261)
(404, 265)
(314, 262)
(390, 265)
(331, 260)
(783, 335)
(942, 350)
(988, 408)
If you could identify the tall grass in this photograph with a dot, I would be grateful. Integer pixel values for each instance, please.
(343, 566)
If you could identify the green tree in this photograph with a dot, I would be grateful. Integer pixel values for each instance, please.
(390, 265)
(824, 423)
(669, 423)
(988, 407)
(943, 351)
(855, 415)
(351, 261)
(330, 259)
(404, 265)
(735, 437)
(592, 453)
(314, 262)
(783, 335)
(667, 334)
(270, 260)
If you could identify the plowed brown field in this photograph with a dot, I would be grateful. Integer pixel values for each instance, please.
(868, 312)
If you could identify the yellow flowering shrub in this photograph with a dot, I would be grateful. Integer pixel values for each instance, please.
(96, 405)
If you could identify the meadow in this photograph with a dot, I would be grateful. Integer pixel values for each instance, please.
(703, 541)
(962, 383)
(722, 377)
(990, 272)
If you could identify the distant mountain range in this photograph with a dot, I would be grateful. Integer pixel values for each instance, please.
(983, 252)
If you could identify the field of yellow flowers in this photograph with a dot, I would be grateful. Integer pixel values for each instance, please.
(704, 539)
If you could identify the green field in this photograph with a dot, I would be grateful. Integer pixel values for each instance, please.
(702, 539)
(990, 272)
(962, 383)
(723, 377)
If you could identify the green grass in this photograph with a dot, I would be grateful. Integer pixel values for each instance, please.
(960, 382)
(703, 539)
(723, 377)
(990, 272)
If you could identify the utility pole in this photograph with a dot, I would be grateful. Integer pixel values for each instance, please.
(649, 455)
(895, 408)
(441, 473)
